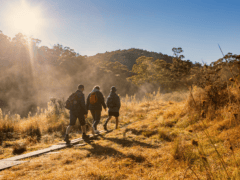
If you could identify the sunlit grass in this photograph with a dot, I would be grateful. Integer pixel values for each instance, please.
(162, 140)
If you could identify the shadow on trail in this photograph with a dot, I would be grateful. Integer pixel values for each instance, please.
(98, 150)
(146, 133)
(129, 143)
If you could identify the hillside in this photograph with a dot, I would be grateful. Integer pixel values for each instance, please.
(30, 74)
(177, 135)
(158, 139)
(128, 57)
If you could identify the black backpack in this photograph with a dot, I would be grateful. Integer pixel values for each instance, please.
(72, 102)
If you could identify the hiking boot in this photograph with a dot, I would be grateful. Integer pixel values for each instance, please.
(84, 136)
(105, 127)
(66, 139)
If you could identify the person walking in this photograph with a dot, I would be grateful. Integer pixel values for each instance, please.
(95, 102)
(113, 104)
(78, 111)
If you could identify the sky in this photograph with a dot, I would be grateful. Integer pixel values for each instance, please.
(96, 26)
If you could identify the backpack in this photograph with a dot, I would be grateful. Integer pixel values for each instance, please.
(72, 101)
(93, 98)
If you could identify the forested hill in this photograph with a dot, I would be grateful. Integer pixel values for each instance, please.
(128, 57)
(31, 74)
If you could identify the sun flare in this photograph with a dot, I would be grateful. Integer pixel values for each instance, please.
(25, 19)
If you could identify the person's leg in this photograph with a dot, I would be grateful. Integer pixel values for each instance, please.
(83, 129)
(73, 119)
(97, 118)
(105, 124)
(69, 128)
(83, 125)
(94, 118)
(116, 122)
(66, 138)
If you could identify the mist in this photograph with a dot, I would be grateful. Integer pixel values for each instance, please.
(32, 75)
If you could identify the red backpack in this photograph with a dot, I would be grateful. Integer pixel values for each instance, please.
(93, 98)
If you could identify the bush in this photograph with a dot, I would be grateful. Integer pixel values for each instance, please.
(33, 130)
(19, 148)
(57, 127)
(7, 127)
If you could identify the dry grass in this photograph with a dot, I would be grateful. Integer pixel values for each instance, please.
(163, 140)
(19, 148)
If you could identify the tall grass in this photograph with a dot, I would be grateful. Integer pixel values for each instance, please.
(196, 142)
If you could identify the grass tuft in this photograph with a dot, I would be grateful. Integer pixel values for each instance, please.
(165, 134)
(184, 153)
(19, 148)
(33, 131)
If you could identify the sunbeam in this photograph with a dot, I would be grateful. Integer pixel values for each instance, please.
(24, 18)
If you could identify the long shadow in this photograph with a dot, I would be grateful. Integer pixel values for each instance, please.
(129, 143)
(99, 150)
(139, 132)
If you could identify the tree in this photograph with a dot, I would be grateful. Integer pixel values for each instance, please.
(177, 51)
(171, 76)
(143, 70)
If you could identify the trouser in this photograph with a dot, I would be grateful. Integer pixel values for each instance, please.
(77, 115)
(96, 114)
(73, 118)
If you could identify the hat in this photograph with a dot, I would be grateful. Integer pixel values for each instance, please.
(113, 89)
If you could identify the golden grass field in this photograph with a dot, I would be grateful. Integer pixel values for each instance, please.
(167, 137)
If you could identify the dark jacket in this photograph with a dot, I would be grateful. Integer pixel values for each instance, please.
(113, 102)
(98, 105)
(82, 107)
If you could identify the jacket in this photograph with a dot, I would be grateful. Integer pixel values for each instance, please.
(100, 102)
(116, 104)
(82, 106)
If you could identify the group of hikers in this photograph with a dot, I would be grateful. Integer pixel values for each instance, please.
(95, 101)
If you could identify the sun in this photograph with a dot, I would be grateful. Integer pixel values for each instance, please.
(25, 19)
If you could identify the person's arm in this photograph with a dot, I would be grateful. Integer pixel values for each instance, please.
(102, 100)
(107, 102)
(87, 104)
(83, 105)
(118, 102)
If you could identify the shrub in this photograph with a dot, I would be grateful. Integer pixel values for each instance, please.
(57, 127)
(33, 130)
(19, 148)
(7, 127)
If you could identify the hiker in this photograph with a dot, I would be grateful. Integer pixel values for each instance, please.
(78, 111)
(95, 101)
(113, 104)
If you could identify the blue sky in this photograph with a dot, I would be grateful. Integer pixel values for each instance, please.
(96, 26)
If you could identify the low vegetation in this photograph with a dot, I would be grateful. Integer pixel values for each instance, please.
(158, 139)
(169, 134)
